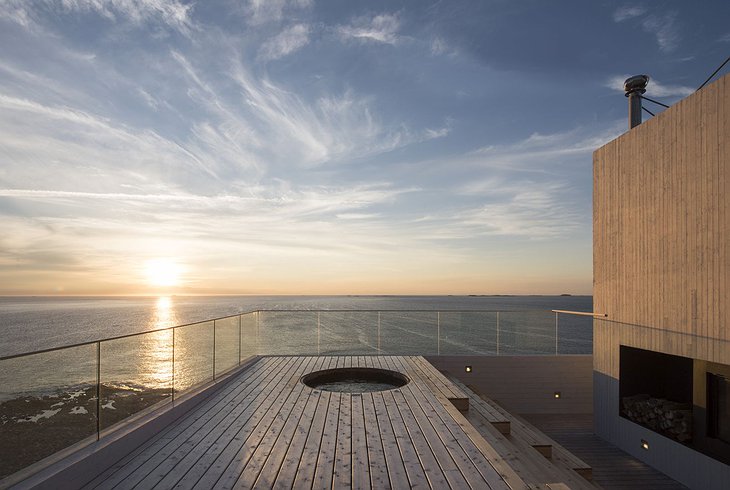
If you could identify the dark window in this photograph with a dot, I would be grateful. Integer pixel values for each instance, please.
(718, 407)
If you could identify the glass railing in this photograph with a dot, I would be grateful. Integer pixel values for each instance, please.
(418, 332)
(54, 399)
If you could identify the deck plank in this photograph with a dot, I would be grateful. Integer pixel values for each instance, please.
(293, 456)
(437, 381)
(342, 477)
(494, 468)
(196, 468)
(397, 474)
(228, 465)
(378, 469)
(160, 456)
(430, 421)
(415, 471)
(360, 454)
(280, 441)
(197, 457)
(281, 426)
(326, 455)
(307, 464)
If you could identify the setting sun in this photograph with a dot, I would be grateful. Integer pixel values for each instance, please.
(162, 272)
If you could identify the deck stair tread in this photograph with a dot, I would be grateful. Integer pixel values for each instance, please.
(265, 429)
(523, 442)
(438, 383)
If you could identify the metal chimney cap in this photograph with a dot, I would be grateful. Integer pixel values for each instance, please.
(637, 83)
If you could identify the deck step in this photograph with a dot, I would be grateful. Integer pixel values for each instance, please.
(440, 384)
(520, 439)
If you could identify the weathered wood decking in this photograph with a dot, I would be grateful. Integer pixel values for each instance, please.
(265, 429)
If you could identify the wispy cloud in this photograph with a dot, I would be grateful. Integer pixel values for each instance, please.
(286, 42)
(655, 88)
(263, 11)
(336, 128)
(545, 152)
(439, 47)
(662, 26)
(168, 12)
(664, 29)
(537, 210)
(628, 12)
(382, 28)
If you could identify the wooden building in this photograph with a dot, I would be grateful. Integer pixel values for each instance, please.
(661, 262)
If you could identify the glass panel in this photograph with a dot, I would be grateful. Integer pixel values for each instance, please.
(348, 332)
(47, 403)
(226, 344)
(575, 334)
(136, 373)
(288, 332)
(527, 332)
(249, 335)
(408, 332)
(193, 355)
(468, 333)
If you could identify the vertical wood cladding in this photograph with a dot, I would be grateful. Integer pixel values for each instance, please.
(661, 253)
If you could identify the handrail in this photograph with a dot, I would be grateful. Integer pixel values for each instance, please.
(582, 313)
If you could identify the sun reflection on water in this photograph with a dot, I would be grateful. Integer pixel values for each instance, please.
(157, 359)
(164, 314)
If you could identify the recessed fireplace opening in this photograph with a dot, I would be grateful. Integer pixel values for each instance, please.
(655, 390)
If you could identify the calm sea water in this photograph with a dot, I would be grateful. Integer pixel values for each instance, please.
(33, 323)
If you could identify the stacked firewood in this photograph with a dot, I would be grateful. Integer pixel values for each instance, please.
(670, 418)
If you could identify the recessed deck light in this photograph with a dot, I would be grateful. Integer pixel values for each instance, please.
(467, 369)
(645, 445)
(556, 394)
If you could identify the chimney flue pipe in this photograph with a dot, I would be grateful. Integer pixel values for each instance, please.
(635, 87)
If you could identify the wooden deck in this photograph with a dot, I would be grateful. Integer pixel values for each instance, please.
(266, 429)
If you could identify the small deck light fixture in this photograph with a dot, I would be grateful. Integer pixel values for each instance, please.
(645, 444)
(557, 394)
(467, 369)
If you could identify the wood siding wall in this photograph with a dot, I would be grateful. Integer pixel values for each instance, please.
(661, 231)
(661, 261)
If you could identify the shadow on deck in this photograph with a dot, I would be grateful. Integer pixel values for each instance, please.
(613, 469)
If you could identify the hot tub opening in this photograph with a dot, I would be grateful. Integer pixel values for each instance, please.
(355, 380)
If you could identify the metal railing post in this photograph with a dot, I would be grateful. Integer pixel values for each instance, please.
(378, 332)
(438, 333)
(173, 366)
(497, 333)
(556, 333)
(213, 350)
(318, 334)
(98, 391)
(240, 338)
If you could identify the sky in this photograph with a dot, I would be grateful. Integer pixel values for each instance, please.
(321, 147)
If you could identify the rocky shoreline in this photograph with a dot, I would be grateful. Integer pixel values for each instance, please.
(34, 426)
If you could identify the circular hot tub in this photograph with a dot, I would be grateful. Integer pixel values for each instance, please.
(355, 380)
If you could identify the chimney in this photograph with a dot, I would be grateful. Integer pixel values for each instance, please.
(635, 87)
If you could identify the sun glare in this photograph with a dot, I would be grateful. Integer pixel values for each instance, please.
(162, 272)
